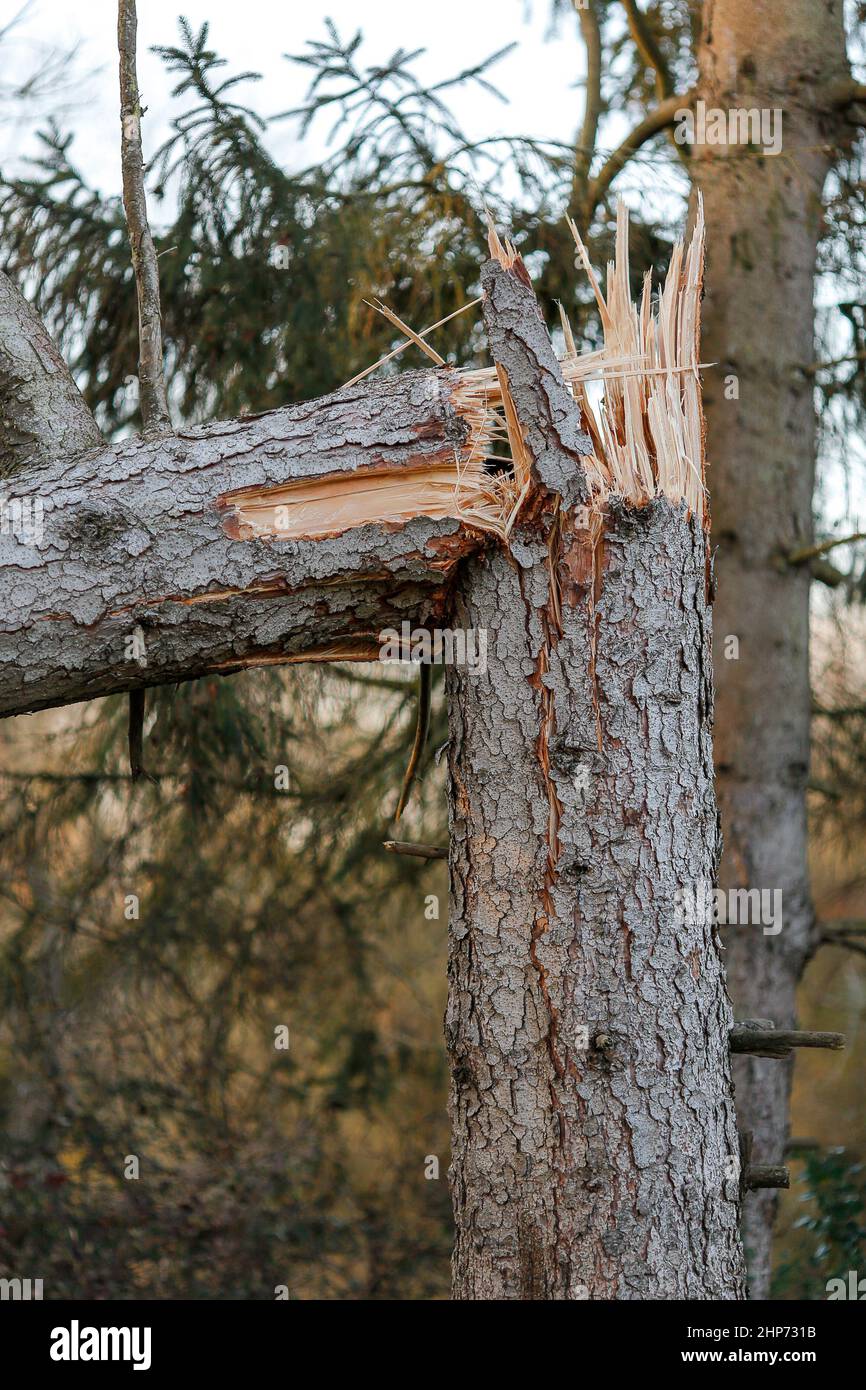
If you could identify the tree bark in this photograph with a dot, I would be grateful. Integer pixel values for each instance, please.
(595, 1148)
(175, 539)
(42, 413)
(763, 223)
(594, 1145)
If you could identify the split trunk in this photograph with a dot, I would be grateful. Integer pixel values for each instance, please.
(595, 1152)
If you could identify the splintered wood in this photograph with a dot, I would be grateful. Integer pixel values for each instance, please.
(646, 429)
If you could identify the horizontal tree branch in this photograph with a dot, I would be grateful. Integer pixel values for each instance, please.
(848, 933)
(779, 1043)
(163, 559)
(661, 118)
(415, 851)
(806, 553)
(760, 1175)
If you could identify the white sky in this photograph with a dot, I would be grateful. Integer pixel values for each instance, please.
(541, 78)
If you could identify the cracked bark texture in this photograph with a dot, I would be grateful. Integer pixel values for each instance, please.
(42, 413)
(605, 1170)
(594, 1144)
(763, 220)
(137, 536)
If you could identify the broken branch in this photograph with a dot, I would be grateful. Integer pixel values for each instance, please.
(770, 1042)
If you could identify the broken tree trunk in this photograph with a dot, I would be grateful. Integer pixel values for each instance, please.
(595, 1151)
(594, 1146)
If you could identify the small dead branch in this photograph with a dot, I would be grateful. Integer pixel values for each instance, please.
(759, 1175)
(778, 1043)
(414, 851)
(813, 552)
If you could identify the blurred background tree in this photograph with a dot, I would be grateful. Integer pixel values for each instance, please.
(147, 1030)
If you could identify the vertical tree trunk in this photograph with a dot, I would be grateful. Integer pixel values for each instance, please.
(763, 224)
(594, 1138)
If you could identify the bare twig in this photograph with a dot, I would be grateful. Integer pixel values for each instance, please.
(816, 367)
(812, 552)
(136, 733)
(152, 396)
(422, 728)
(410, 333)
(840, 712)
(415, 851)
(395, 352)
(846, 933)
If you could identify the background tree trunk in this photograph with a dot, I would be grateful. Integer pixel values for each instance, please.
(763, 224)
(594, 1148)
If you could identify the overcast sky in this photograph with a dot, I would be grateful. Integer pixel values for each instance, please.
(542, 78)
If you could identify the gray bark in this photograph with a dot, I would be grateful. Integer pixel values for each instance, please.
(763, 224)
(603, 1165)
(42, 412)
(595, 1152)
(139, 536)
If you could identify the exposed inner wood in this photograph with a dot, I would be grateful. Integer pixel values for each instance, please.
(317, 507)
(647, 433)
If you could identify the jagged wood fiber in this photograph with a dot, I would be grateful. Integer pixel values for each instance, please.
(580, 773)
